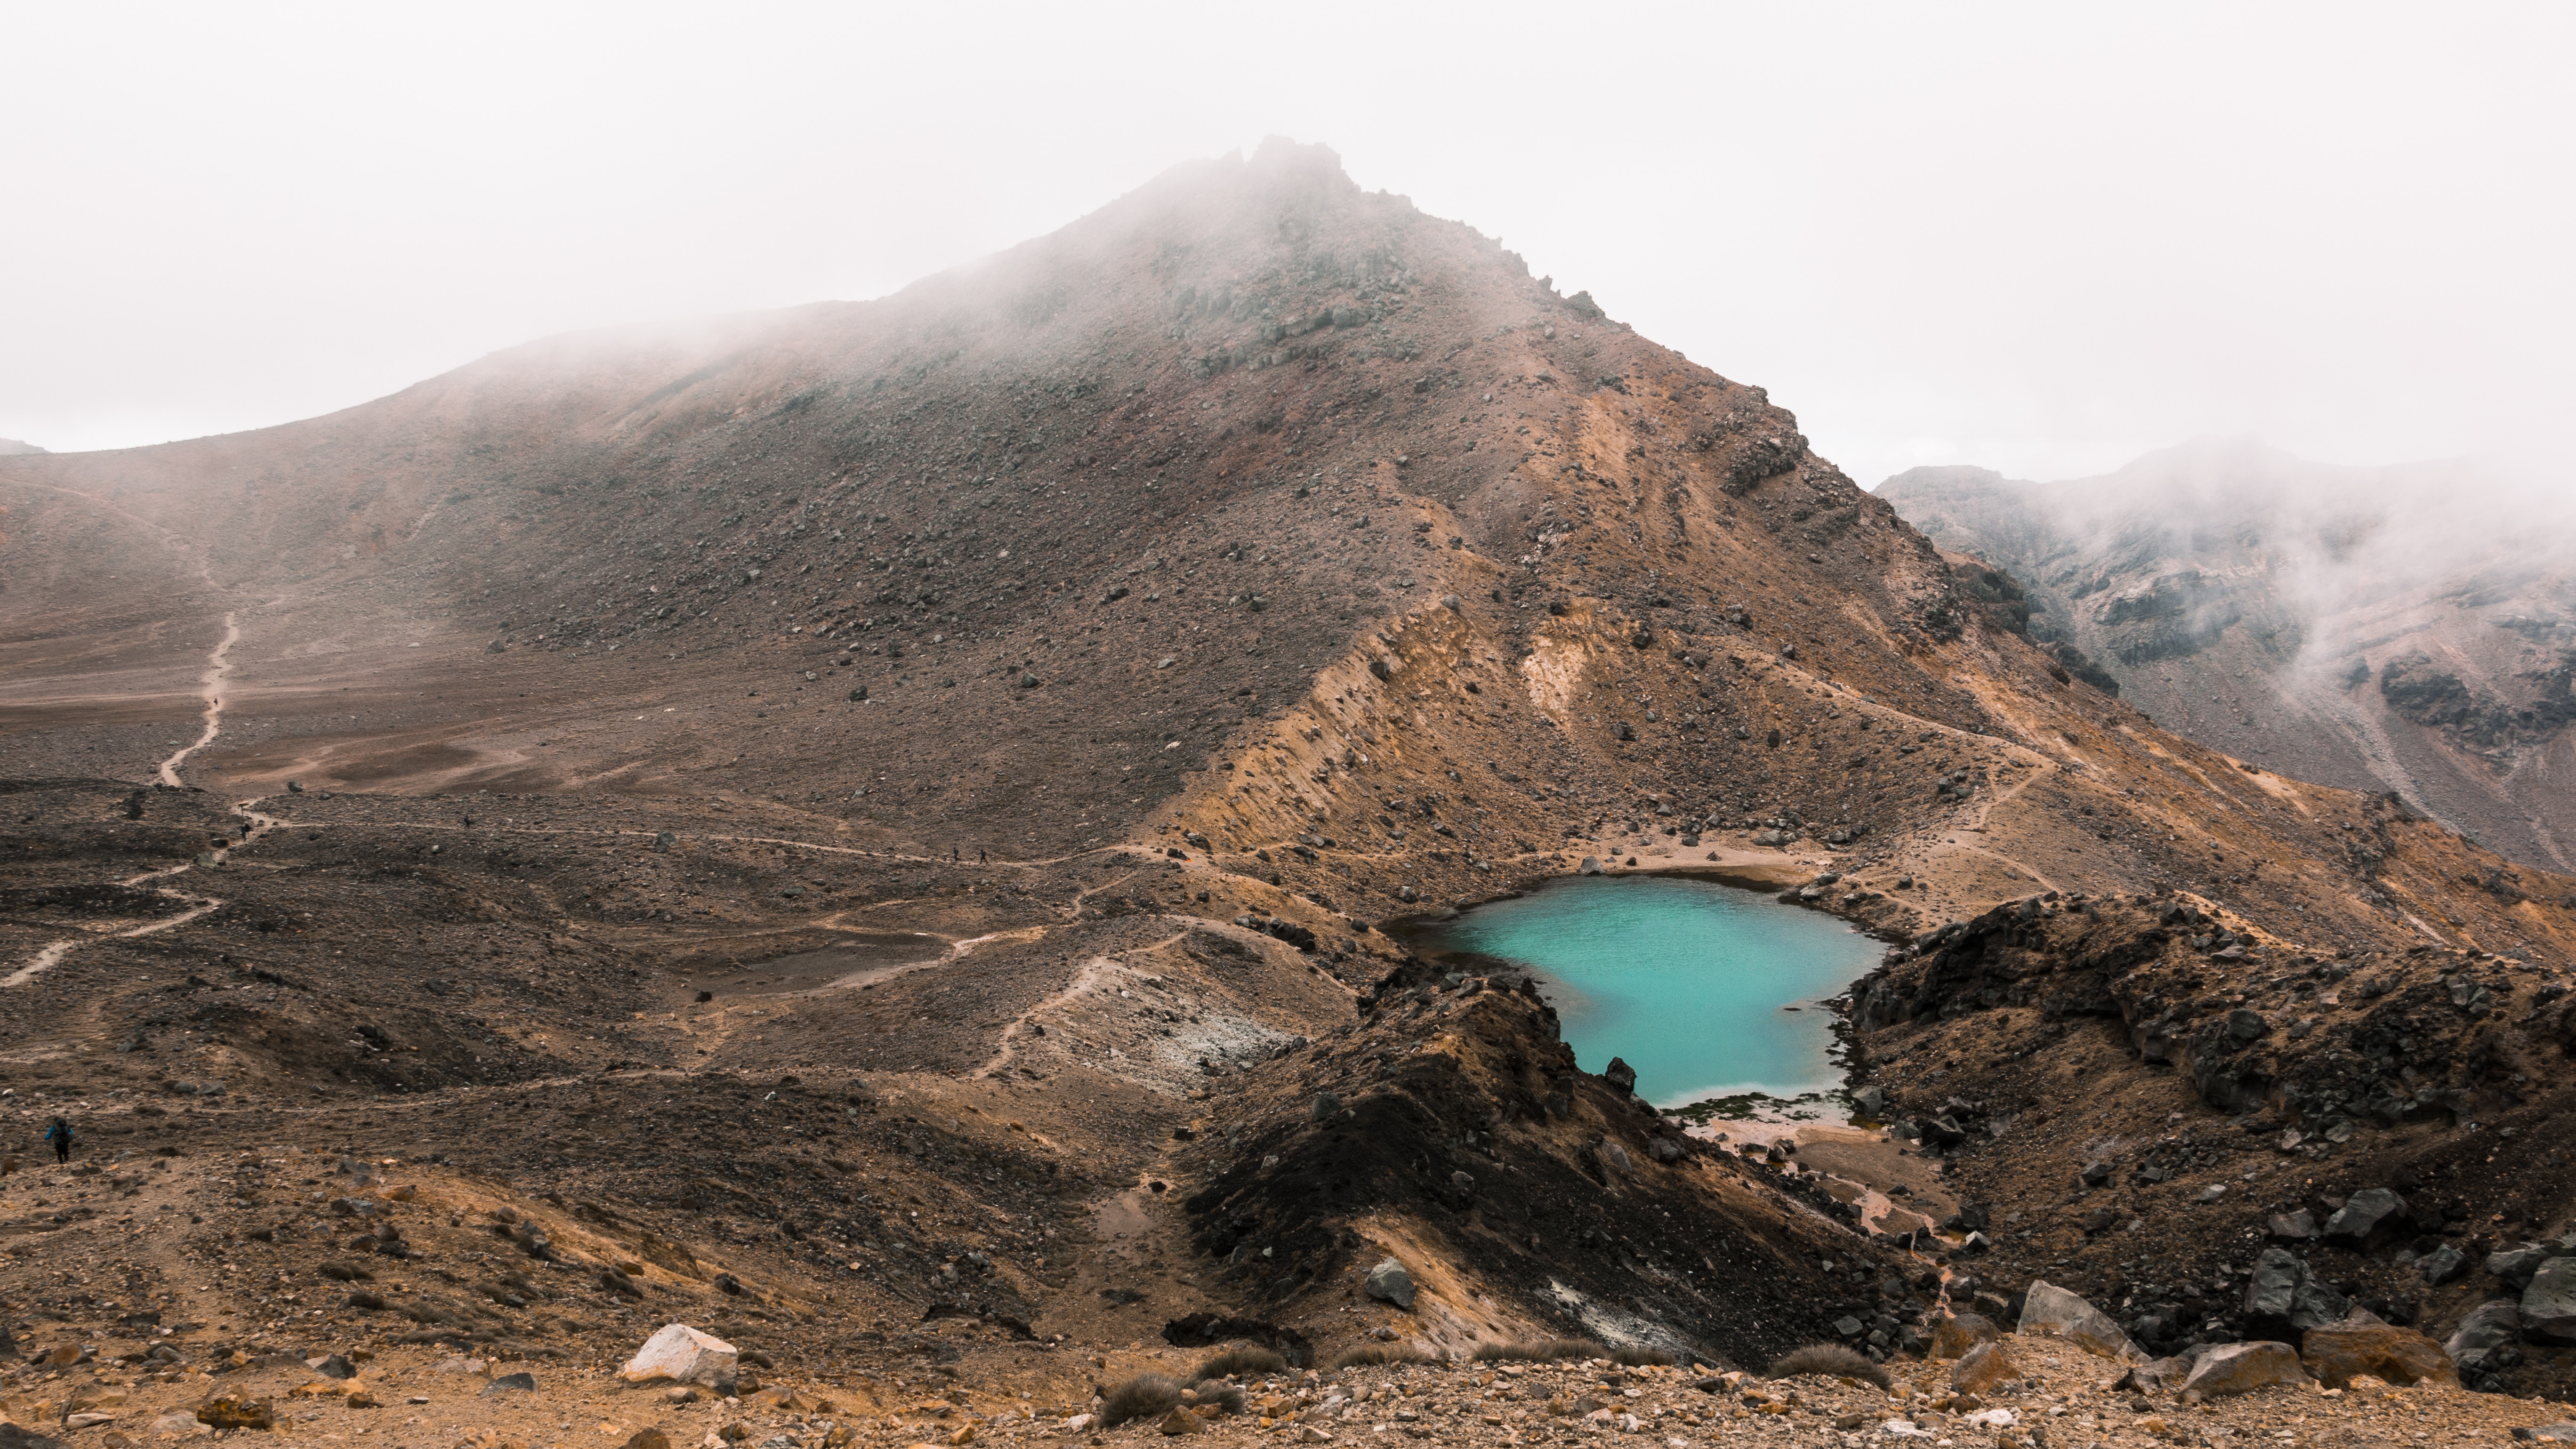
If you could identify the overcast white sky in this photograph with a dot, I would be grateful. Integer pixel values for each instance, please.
(2045, 238)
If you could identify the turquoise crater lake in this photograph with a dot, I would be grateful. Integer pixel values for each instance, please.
(1687, 980)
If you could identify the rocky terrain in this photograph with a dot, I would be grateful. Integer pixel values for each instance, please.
(2409, 629)
(883, 831)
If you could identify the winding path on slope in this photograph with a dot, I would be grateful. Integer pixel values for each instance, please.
(213, 681)
(193, 905)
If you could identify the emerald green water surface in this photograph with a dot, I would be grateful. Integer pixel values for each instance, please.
(1686, 980)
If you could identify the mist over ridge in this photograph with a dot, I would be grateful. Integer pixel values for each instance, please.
(2409, 627)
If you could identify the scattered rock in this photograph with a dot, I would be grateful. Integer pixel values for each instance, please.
(2156, 1376)
(2547, 1434)
(2284, 1295)
(2367, 1219)
(2239, 1368)
(648, 1439)
(2516, 1264)
(1984, 1367)
(237, 1411)
(1957, 1335)
(2047, 1308)
(2337, 1352)
(2442, 1265)
(2488, 1339)
(2297, 1227)
(1621, 1076)
(1389, 1283)
(2549, 1304)
(681, 1353)
(518, 1383)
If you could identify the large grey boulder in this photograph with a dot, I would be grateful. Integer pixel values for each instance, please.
(2367, 1219)
(2488, 1338)
(2239, 1368)
(2549, 1304)
(2284, 1296)
(1389, 1282)
(2047, 1308)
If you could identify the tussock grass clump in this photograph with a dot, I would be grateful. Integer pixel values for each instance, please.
(1377, 1353)
(1831, 1360)
(1248, 1361)
(1146, 1396)
(1635, 1357)
(1539, 1350)
(1224, 1398)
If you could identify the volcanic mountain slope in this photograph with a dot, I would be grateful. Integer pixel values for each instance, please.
(2409, 629)
(747, 786)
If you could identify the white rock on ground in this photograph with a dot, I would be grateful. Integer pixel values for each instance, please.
(680, 1352)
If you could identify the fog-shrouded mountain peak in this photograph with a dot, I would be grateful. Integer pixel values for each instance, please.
(896, 832)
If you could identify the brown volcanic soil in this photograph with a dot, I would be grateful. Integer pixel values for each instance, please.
(1254, 558)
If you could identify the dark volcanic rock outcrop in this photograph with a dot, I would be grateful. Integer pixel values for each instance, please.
(1457, 1119)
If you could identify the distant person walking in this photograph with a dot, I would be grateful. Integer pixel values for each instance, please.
(59, 1136)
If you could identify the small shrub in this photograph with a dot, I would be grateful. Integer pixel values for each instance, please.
(1224, 1398)
(1830, 1360)
(1377, 1353)
(1146, 1396)
(1245, 1361)
(1633, 1357)
(1539, 1350)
